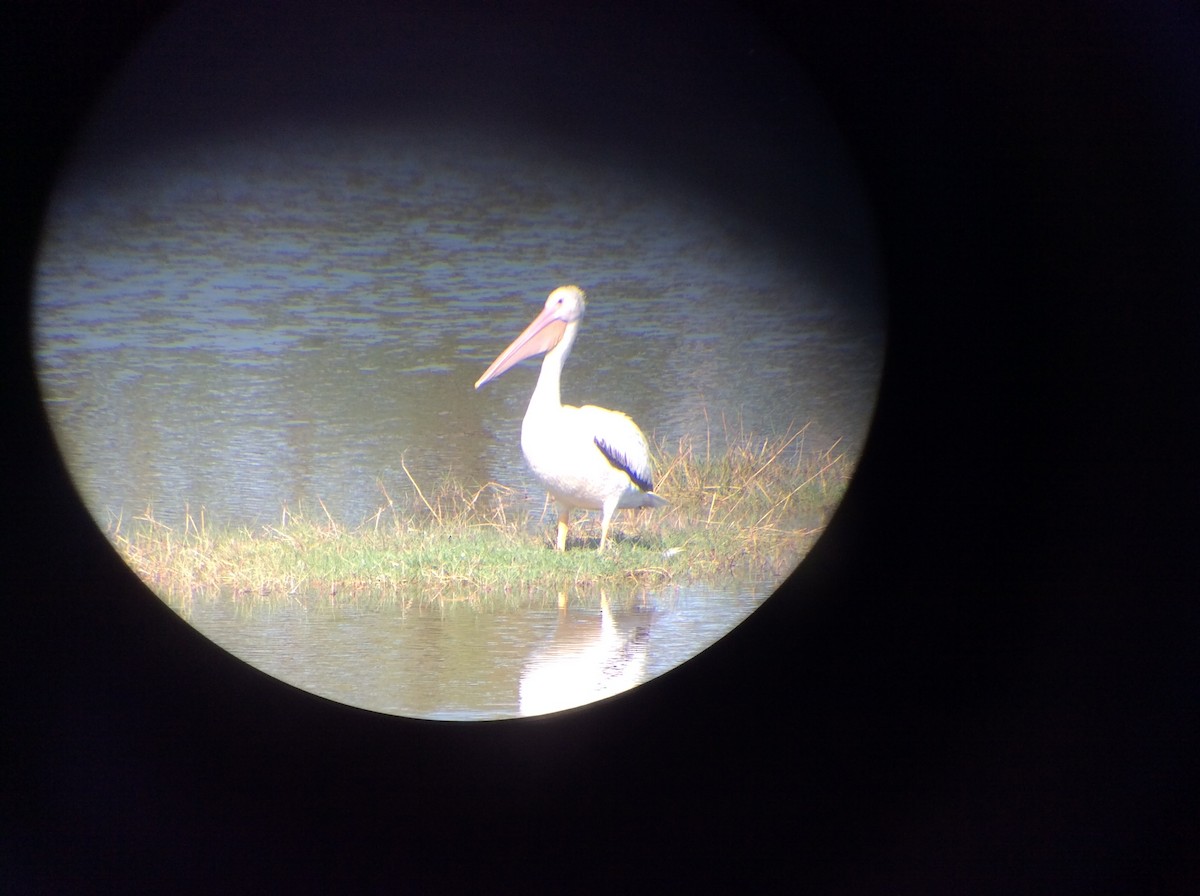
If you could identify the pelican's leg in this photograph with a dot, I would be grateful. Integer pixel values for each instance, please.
(564, 514)
(605, 519)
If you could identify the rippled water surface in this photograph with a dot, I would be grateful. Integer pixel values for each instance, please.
(461, 661)
(246, 326)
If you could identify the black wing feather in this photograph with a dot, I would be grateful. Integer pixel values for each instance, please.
(618, 460)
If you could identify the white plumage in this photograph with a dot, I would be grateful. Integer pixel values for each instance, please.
(588, 457)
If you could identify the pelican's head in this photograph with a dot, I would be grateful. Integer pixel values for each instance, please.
(566, 303)
(563, 307)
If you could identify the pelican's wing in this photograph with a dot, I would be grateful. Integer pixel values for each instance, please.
(621, 443)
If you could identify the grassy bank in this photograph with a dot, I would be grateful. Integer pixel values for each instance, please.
(751, 511)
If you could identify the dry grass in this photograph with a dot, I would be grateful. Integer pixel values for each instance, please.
(750, 511)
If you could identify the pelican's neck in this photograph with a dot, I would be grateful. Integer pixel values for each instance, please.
(547, 395)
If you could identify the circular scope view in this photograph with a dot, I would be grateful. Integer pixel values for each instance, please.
(459, 366)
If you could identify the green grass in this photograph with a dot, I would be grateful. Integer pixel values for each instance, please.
(751, 511)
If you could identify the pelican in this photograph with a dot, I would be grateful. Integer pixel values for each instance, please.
(588, 457)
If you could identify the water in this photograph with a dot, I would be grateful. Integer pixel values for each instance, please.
(247, 326)
(238, 318)
(462, 661)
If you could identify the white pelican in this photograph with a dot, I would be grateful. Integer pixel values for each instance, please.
(587, 457)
